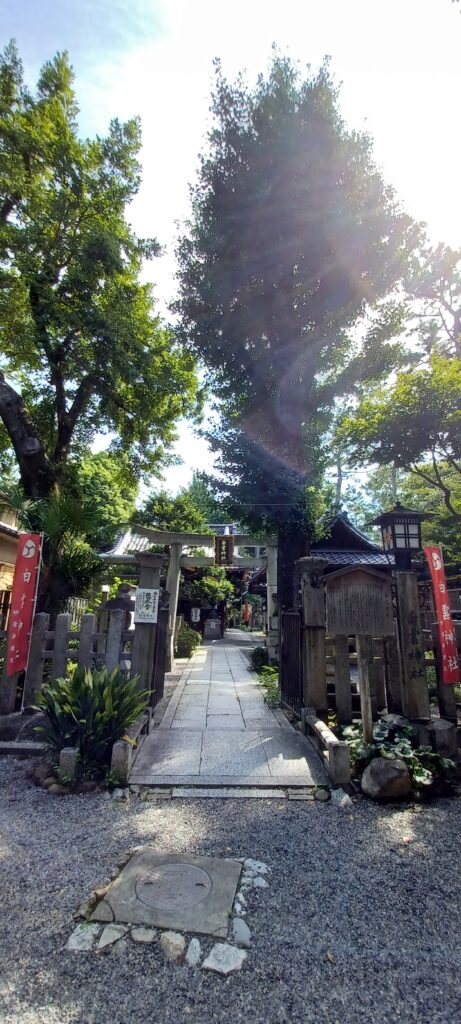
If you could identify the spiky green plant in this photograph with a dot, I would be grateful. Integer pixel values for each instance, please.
(90, 710)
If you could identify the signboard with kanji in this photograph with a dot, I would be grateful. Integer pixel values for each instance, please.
(450, 662)
(223, 550)
(25, 582)
(146, 605)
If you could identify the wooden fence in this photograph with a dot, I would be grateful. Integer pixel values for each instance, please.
(98, 642)
(331, 671)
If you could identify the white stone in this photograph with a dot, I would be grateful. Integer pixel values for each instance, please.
(112, 933)
(256, 866)
(241, 933)
(117, 794)
(341, 799)
(83, 937)
(260, 883)
(224, 959)
(194, 953)
(173, 945)
(143, 934)
(242, 899)
(121, 947)
(322, 794)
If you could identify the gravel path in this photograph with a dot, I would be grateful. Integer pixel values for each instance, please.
(346, 884)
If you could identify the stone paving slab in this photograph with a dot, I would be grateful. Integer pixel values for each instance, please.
(217, 731)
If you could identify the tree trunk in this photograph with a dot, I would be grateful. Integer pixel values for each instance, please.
(37, 475)
(293, 543)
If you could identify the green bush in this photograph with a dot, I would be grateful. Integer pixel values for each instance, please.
(425, 766)
(269, 680)
(258, 658)
(90, 710)
(188, 640)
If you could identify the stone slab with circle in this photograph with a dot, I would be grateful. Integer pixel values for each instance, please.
(164, 890)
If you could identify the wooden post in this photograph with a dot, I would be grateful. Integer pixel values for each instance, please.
(172, 586)
(34, 674)
(102, 623)
(392, 675)
(343, 679)
(313, 641)
(445, 695)
(59, 660)
(364, 661)
(143, 647)
(415, 694)
(114, 639)
(272, 611)
(85, 650)
(379, 687)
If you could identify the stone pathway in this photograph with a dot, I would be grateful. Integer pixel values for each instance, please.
(217, 731)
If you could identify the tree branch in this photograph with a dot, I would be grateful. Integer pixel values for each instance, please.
(37, 475)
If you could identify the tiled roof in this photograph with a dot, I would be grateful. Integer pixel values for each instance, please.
(129, 543)
(353, 557)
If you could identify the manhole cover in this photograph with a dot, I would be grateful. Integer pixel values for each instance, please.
(171, 886)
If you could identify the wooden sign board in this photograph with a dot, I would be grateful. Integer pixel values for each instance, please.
(359, 600)
(224, 550)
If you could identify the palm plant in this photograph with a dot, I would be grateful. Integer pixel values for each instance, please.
(69, 563)
(90, 710)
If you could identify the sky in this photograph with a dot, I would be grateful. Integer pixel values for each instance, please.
(398, 63)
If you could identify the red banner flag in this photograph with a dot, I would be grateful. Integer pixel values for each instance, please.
(450, 663)
(23, 601)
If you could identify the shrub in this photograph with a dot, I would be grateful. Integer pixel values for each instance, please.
(188, 640)
(269, 680)
(424, 765)
(258, 658)
(90, 710)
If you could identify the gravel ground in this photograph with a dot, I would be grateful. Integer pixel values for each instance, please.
(350, 885)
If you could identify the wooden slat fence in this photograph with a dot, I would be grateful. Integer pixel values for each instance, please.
(96, 643)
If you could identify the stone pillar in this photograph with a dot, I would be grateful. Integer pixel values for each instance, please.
(311, 571)
(172, 586)
(415, 694)
(272, 611)
(142, 657)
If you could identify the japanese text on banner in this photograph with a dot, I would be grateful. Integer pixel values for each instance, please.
(450, 662)
(23, 601)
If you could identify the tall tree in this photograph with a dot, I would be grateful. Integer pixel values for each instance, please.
(166, 513)
(202, 496)
(81, 350)
(413, 422)
(106, 479)
(293, 238)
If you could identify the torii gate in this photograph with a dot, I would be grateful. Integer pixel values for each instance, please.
(176, 560)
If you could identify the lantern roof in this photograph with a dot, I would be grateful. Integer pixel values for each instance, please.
(396, 513)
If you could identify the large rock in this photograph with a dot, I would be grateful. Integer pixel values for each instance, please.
(386, 779)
